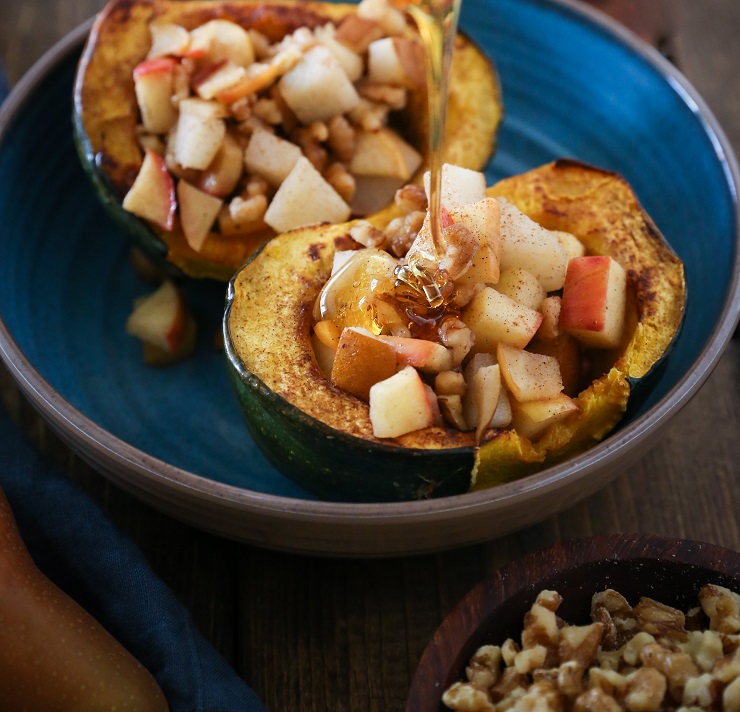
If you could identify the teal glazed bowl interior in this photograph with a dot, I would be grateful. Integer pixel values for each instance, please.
(175, 437)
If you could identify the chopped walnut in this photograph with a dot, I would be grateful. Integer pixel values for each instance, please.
(411, 198)
(401, 232)
(485, 666)
(723, 608)
(660, 620)
(339, 178)
(457, 337)
(675, 666)
(668, 669)
(645, 691)
(596, 700)
(365, 233)
(466, 697)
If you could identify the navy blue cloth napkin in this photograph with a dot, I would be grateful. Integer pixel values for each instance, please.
(74, 543)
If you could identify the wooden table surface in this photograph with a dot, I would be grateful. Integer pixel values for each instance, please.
(315, 634)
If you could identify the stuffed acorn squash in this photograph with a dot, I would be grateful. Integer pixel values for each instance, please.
(206, 126)
(326, 438)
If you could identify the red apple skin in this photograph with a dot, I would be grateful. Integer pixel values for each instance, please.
(585, 293)
(168, 189)
(445, 219)
(206, 73)
(154, 66)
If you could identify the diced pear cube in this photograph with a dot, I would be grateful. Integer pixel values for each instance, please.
(526, 244)
(305, 198)
(317, 88)
(400, 405)
(460, 186)
(529, 376)
(495, 318)
(270, 156)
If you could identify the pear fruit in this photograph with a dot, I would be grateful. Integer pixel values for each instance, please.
(53, 654)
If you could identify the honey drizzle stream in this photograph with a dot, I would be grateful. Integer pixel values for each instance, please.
(420, 284)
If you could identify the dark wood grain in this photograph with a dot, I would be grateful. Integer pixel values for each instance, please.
(313, 634)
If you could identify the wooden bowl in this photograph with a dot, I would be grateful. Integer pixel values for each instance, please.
(671, 571)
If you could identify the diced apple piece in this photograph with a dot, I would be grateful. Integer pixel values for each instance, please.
(153, 85)
(168, 39)
(503, 415)
(481, 398)
(199, 134)
(460, 186)
(270, 156)
(152, 195)
(228, 225)
(198, 212)
(379, 153)
(529, 376)
(482, 219)
(362, 360)
(217, 78)
(350, 61)
(162, 321)
(358, 32)
(571, 244)
(452, 411)
(495, 318)
(479, 361)
(531, 419)
(324, 355)
(305, 198)
(397, 61)
(225, 170)
(428, 356)
(526, 244)
(388, 17)
(594, 301)
(434, 404)
(317, 88)
(567, 351)
(450, 383)
(222, 39)
(399, 405)
(522, 286)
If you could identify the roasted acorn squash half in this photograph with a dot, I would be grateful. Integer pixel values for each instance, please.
(106, 112)
(322, 437)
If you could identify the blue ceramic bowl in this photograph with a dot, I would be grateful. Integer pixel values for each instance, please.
(574, 85)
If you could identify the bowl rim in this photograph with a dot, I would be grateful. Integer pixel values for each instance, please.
(527, 574)
(357, 526)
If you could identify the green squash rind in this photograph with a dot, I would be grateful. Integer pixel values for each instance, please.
(329, 462)
(503, 455)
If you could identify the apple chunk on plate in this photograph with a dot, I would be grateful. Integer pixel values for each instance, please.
(594, 301)
(164, 325)
(400, 405)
